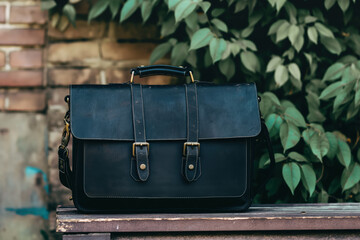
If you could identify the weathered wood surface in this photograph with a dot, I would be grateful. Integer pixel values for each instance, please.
(339, 216)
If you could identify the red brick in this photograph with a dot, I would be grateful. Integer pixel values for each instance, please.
(26, 59)
(2, 59)
(126, 51)
(27, 14)
(22, 36)
(65, 77)
(73, 52)
(24, 101)
(133, 30)
(123, 75)
(83, 30)
(21, 78)
(2, 14)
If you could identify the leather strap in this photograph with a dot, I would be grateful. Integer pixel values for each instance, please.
(169, 70)
(65, 173)
(191, 165)
(140, 146)
(265, 136)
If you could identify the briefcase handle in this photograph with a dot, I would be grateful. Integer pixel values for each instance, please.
(146, 71)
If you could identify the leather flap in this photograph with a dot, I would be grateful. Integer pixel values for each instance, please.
(104, 112)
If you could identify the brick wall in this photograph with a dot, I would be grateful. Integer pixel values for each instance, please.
(38, 62)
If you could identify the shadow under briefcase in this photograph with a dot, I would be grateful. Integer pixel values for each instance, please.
(147, 148)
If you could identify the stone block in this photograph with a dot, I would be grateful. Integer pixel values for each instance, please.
(65, 77)
(72, 52)
(2, 14)
(28, 14)
(23, 100)
(31, 58)
(21, 78)
(24, 37)
(83, 30)
(24, 185)
(126, 51)
(2, 59)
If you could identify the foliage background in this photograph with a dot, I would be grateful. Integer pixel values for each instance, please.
(304, 57)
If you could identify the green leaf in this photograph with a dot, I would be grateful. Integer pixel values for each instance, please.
(297, 157)
(357, 93)
(329, 3)
(294, 32)
(115, 6)
(184, 9)
(227, 68)
(312, 34)
(289, 135)
(128, 9)
(273, 63)
(323, 197)
(343, 4)
(279, 4)
(217, 48)
(168, 27)
(319, 145)
(272, 97)
(217, 12)
(350, 177)
(294, 116)
(324, 31)
(160, 51)
(192, 21)
(331, 44)
(331, 91)
(275, 26)
(291, 11)
(173, 3)
(273, 123)
(335, 71)
(294, 71)
(47, 5)
(250, 61)
(291, 174)
(344, 153)
(310, 19)
(240, 5)
(192, 58)
(201, 38)
(308, 178)
(352, 111)
(70, 13)
(340, 99)
(249, 44)
(179, 53)
(98, 8)
(281, 75)
(307, 134)
(220, 25)
(298, 44)
(282, 31)
(205, 6)
(146, 9)
(333, 145)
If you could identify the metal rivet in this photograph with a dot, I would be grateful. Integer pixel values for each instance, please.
(191, 167)
(142, 166)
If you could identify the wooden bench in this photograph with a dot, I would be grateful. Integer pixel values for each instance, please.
(295, 221)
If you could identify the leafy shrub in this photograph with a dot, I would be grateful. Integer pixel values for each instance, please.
(304, 57)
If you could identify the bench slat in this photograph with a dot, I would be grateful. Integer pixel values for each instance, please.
(336, 216)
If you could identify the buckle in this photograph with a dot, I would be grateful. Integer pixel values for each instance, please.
(190, 144)
(141, 144)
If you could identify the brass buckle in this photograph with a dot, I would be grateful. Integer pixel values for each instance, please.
(139, 144)
(190, 144)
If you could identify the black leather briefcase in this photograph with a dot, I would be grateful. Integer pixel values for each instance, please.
(146, 148)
